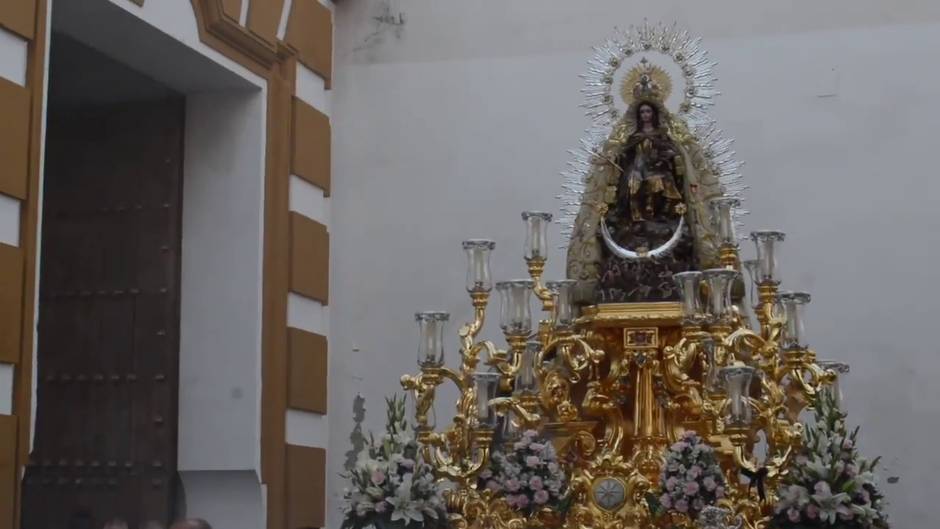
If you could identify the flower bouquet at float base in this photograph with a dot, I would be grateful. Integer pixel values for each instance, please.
(690, 481)
(389, 485)
(829, 485)
(528, 475)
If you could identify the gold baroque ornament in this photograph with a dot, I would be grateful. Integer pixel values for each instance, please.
(608, 494)
(645, 81)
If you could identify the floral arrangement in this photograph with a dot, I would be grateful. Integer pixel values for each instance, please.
(691, 478)
(529, 476)
(390, 486)
(829, 484)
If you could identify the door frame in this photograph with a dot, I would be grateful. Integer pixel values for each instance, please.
(256, 45)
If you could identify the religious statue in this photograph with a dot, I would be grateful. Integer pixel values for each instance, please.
(644, 214)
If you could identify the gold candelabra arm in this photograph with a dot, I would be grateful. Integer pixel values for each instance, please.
(506, 361)
(469, 331)
(424, 387)
(528, 417)
(464, 467)
(805, 373)
(536, 269)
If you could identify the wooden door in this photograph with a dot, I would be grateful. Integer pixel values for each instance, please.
(108, 346)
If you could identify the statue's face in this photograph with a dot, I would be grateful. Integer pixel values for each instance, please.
(646, 114)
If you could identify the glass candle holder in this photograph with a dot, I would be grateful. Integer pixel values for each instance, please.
(564, 313)
(737, 381)
(719, 281)
(508, 429)
(525, 378)
(487, 383)
(689, 284)
(713, 383)
(478, 264)
(794, 308)
(536, 234)
(723, 209)
(834, 390)
(515, 315)
(431, 337)
(767, 242)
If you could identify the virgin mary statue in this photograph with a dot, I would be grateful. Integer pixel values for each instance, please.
(644, 214)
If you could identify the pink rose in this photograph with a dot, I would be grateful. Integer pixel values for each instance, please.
(695, 472)
(492, 485)
(532, 461)
(847, 444)
(536, 483)
(851, 470)
(540, 497)
(671, 483)
(720, 492)
(793, 515)
(522, 501)
(845, 513)
(407, 463)
(666, 501)
(512, 484)
(486, 474)
(691, 488)
(709, 483)
(378, 477)
(538, 447)
(682, 506)
(812, 511)
(678, 447)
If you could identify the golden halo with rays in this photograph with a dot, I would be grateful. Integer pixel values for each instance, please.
(659, 76)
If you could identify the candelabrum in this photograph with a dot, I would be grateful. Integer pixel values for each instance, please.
(613, 385)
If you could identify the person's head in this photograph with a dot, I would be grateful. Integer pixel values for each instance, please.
(646, 113)
(191, 523)
(116, 523)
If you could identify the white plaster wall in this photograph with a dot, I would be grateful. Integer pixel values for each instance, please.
(227, 499)
(449, 128)
(220, 346)
(220, 340)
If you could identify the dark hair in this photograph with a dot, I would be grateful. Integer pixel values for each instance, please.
(655, 114)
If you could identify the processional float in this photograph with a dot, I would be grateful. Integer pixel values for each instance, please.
(655, 331)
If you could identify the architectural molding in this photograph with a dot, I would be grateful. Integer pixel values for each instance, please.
(11, 303)
(19, 16)
(308, 364)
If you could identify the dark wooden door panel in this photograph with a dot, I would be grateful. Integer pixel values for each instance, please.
(108, 347)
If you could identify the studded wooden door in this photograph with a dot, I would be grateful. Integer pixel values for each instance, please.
(108, 347)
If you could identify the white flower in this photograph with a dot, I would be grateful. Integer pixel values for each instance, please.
(828, 502)
(363, 508)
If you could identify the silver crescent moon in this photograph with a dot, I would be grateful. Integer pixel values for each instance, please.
(623, 253)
